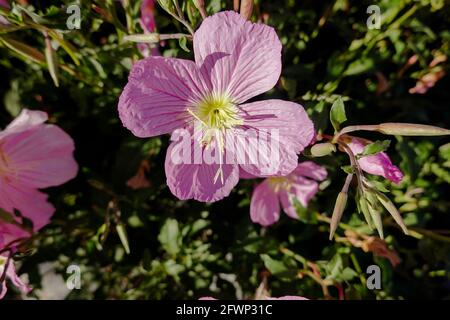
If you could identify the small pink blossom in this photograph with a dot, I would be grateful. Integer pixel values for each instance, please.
(148, 24)
(33, 155)
(235, 60)
(301, 184)
(378, 164)
(4, 4)
(8, 271)
(266, 298)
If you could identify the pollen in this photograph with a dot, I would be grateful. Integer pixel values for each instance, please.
(216, 111)
(279, 183)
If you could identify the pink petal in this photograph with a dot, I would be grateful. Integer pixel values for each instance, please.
(311, 170)
(188, 180)
(282, 122)
(245, 175)
(207, 298)
(158, 94)
(287, 298)
(9, 233)
(39, 157)
(241, 58)
(288, 204)
(14, 278)
(378, 164)
(26, 120)
(29, 202)
(264, 206)
(304, 190)
(4, 4)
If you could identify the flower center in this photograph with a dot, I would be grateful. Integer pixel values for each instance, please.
(278, 183)
(216, 111)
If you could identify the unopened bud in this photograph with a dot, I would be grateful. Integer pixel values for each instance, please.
(339, 207)
(246, 9)
(410, 129)
(390, 207)
(200, 5)
(143, 38)
(322, 149)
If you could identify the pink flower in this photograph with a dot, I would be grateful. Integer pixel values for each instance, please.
(301, 184)
(235, 60)
(148, 24)
(8, 271)
(378, 164)
(287, 298)
(4, 4)
(266, 298)
(33, 155)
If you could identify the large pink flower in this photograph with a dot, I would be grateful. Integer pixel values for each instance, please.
(301, 184)
(8, 271)
(378, 164)
(235, 60)
(33, 155)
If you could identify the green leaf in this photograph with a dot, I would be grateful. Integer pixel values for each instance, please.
(374, 148)
(169, 237)
(274, 266)
(337, 113)
(24, 50)
(183, 44)
(348, 169)
(52, 61)
(123, 237)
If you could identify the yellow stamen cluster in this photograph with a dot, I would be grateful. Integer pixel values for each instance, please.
(278, 183)
(216, 111)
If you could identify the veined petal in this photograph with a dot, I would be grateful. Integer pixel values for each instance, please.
(194, 178)
(12, 276)
(240, 58)
(311, 170)
(379, 164)
(283, 130)
(304, 190)
(31, 203)
(264, 205)
(288, 204)
(158, 94)
(26, 120)
(39, 157)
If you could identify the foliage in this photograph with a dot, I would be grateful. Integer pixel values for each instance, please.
(186, 250)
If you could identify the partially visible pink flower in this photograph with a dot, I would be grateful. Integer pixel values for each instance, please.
(4, 4)
(148, 24)
(378, 164)
(33, 155)
(8, 271)
(235, 60)
(287, 298)
(301, 184)
(266, 298)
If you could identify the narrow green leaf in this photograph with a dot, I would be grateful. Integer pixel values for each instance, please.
(123, 237)
(52, 61)
(24, 50)
(337, 113)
